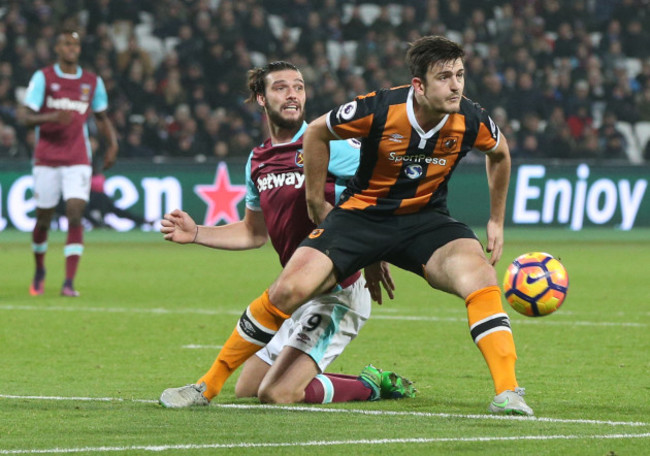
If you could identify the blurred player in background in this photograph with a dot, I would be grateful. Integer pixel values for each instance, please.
(60, 99)
(290, 367)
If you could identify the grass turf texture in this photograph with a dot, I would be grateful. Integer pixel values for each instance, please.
(145, 301)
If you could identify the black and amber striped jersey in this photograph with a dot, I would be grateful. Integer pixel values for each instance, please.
(403, 168)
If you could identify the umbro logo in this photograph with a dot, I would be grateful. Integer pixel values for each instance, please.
(395, 137)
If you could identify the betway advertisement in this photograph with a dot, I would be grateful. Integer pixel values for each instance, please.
(572, 196)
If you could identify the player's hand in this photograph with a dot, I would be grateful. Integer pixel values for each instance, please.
(494, 241)
(318, 211)
(377, 276)
(63, 117)
(178, 226)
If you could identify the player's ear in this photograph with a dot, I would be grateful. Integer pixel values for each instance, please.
(261, 100)
(418, 85)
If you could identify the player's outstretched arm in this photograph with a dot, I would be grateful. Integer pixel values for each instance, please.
(498, 174)
(250, 233)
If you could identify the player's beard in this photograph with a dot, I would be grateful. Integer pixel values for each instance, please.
(276, 118)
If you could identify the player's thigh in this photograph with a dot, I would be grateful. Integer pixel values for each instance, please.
(48, 185)
(308, 273)
(76, 182)
(460, 267)
(253, 372)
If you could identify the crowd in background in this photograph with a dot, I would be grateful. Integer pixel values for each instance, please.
(563, 79)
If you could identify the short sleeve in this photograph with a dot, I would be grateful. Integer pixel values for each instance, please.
(35, 93)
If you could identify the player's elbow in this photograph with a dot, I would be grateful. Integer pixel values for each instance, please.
(259, 240)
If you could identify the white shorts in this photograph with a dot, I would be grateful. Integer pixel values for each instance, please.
(324, 326)
(50, 182)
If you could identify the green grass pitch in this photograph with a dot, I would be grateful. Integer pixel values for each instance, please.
(82, 376)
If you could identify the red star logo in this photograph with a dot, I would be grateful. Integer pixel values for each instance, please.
(221, 197)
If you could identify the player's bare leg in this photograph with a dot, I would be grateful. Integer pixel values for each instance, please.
(287, 379)
(251, 376)
(39, 247)
(460, 267)
(308, 273)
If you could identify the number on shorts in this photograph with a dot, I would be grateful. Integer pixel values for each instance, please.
(313, 322)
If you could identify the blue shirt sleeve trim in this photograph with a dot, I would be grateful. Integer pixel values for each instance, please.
(252, 194)
(100, 99)
(35, 93)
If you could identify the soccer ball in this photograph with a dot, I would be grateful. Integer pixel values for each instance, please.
(535, 284)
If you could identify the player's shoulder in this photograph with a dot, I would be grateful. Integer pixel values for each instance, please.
(46, 70)
(88, 74)
(393, 95)
(262, 148)
(469, 106)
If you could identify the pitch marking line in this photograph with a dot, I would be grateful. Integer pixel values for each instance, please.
(201, 347)
(161, 311)
(302, 408)
(212, 446)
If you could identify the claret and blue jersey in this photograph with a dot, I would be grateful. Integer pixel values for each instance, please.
(275, 185)
(82, 93)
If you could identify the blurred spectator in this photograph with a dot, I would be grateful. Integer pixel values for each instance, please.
(259, 37)
(589, 145)
(565, 44)
(526, 97)
(132, 146)
(580, 121)
(558, 140)
(643, 104)
(611, 139)
(132, 54)
(635, 40)
(10, 147)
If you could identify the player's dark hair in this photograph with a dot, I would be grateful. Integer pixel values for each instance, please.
(429, 50)
(257, 77)
(70, 31)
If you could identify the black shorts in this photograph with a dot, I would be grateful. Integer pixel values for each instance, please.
(355, 239)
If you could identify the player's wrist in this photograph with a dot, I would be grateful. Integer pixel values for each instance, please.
(196, 234)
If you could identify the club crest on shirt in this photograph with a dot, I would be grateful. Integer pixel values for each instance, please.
(317, 232)
(449, 143)
(85, 92)
(55, 86)
(300, 161)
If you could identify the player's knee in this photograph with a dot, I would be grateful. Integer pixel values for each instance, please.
(278, 395)
(287, 294)
(242, 391)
